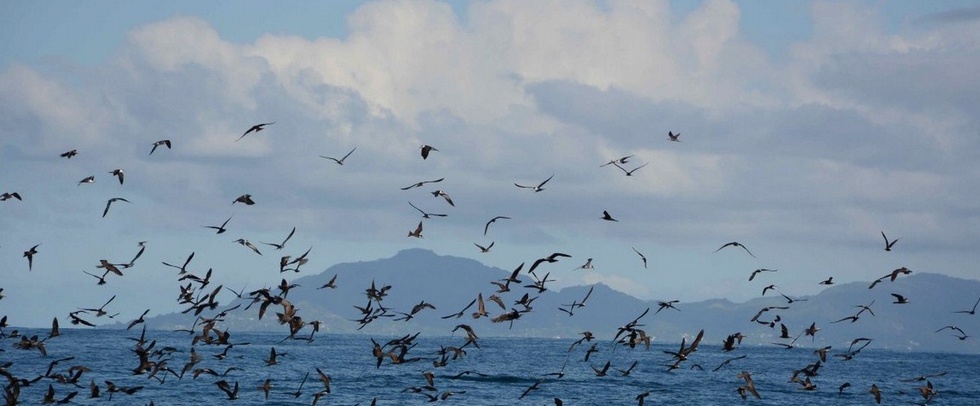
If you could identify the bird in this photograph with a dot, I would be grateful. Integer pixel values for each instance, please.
(341, 160)
(221, 228)
(109, 203)
(444, 195)
(876, 393)
(673, 137)
(165, 143)
(828, 281)
(971, 311)
(630, 172)
(418, 231)
(493, 220)
(227, 389)
(426, 214)
(255, 128)
(426, 149)
(642, 257)
(69, 154)
(484, 250)
(735, 244)
(622, 160)
(248, 244)
(586, 265)
(138, 320)
(551, 258)
(246, 198)
(332, 283)
(888, 244)
(758, 271)
(283, 244)
(29, 254)
(899, 299)
(10, 195)
(87, 179)
(606, 216)
(419, 184)
(119, 174)
(537, 188)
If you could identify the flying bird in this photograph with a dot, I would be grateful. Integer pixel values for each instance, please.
(255, 128)
(88, 179)
(283, 244)
(760, 270)
(426, 149)
(537, 188)
(971, 311)
(10, 195)
(735, 244)
(426, 214)
(418, 231)
(165, 143)
(29, 254)
(673, 137)
(119, 174)
(630, 171)
(341, 160)
(828, 281)
(109, 203)
(248, 244)
(487, 226)
(221, 228)
(899, 299)
(606, 216)
(70, 154)
(888, 244)
(246, 198)
(643, 258)
(444, 195)
(419, 184)
(484, 249)
(622, 160)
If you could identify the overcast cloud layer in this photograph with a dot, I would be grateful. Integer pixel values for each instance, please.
(855, 131)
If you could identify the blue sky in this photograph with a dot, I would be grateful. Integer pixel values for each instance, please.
(807, 129)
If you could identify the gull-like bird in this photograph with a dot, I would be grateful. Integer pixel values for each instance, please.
(828, 281)
(622, 160)
(537, 188)
(673, 137)
(444, 195)
(119, 174)
(165, 143)
(283, 244)
(419, 184)
(483, 249)
(227, 389)
(758, 271)
(418, 231)
(109, 203)
(899, 299)
(29, 254)
(341, 160)
(248, 244)
(735, 244)
(426, 214)
(245, 198)
(69, 154)
(426, 149)
(493, 220)
(10, 195)
(606, 216)
(643, 258)
(629, 172)
(221, 228)
(88, 179)
(888, 244)
(971, 311)
(255, 128)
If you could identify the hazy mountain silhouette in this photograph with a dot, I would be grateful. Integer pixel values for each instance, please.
(450, 283)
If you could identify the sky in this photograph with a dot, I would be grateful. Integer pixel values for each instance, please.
(807, 129)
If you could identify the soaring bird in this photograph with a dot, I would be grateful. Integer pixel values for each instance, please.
(255, 128)
(69, 154)
(735, 244)
(673, 137)
(29, 254)
(643, 258)
(537, 188)
(246, 198)
(629, 172)
(419, 184)
(220, 228)
(606, 216)
(483, 249)
(418, 231)
(758, 271)
(444, 195)
(899, 299)
(10, 195)
(119, 174)
(971, 311)
(283, 244)
(227, 389)
(248, 244)
(87, 179)
(828, 281)
(341, 160)
(888, 244)
(622, 160)
(165, 143)
(426, 149)
(426, 214)
(493, 220)
(109, 203)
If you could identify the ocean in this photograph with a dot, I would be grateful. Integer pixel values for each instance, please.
(499, 371)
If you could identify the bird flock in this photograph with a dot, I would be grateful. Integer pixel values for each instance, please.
(506, 301)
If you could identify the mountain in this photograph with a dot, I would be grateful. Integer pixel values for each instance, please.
(450, 283)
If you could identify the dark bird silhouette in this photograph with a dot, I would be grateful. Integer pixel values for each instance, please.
(537, 188)
(138, 320)
(493, 220)
(69, 154)
(255, 128)
(629, 172)
(10, 195)
(419, 184)
(182, 268)
(607, 217)
(246, 198)
(87, 179)
(426, 214)
(971, 311)
(418, 231)
(666, 305)
(828, 281)
(673, 137)
(221, 228)
(899, 299)
(110, 202)
(283, 244)
(643, 258)
(332, 283)
(426, 149)
(749, 387)
(876, 393)
(622, 160)
(461, 312)
(735, 244)
(29, 254)
(551, 259)
(758, 271)
(888, 244)
(227, 389)
(483, 249)
(248, 244)
(119, 174)
(165, 143)
(341, 160)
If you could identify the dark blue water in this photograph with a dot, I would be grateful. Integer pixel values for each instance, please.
(510, 366)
